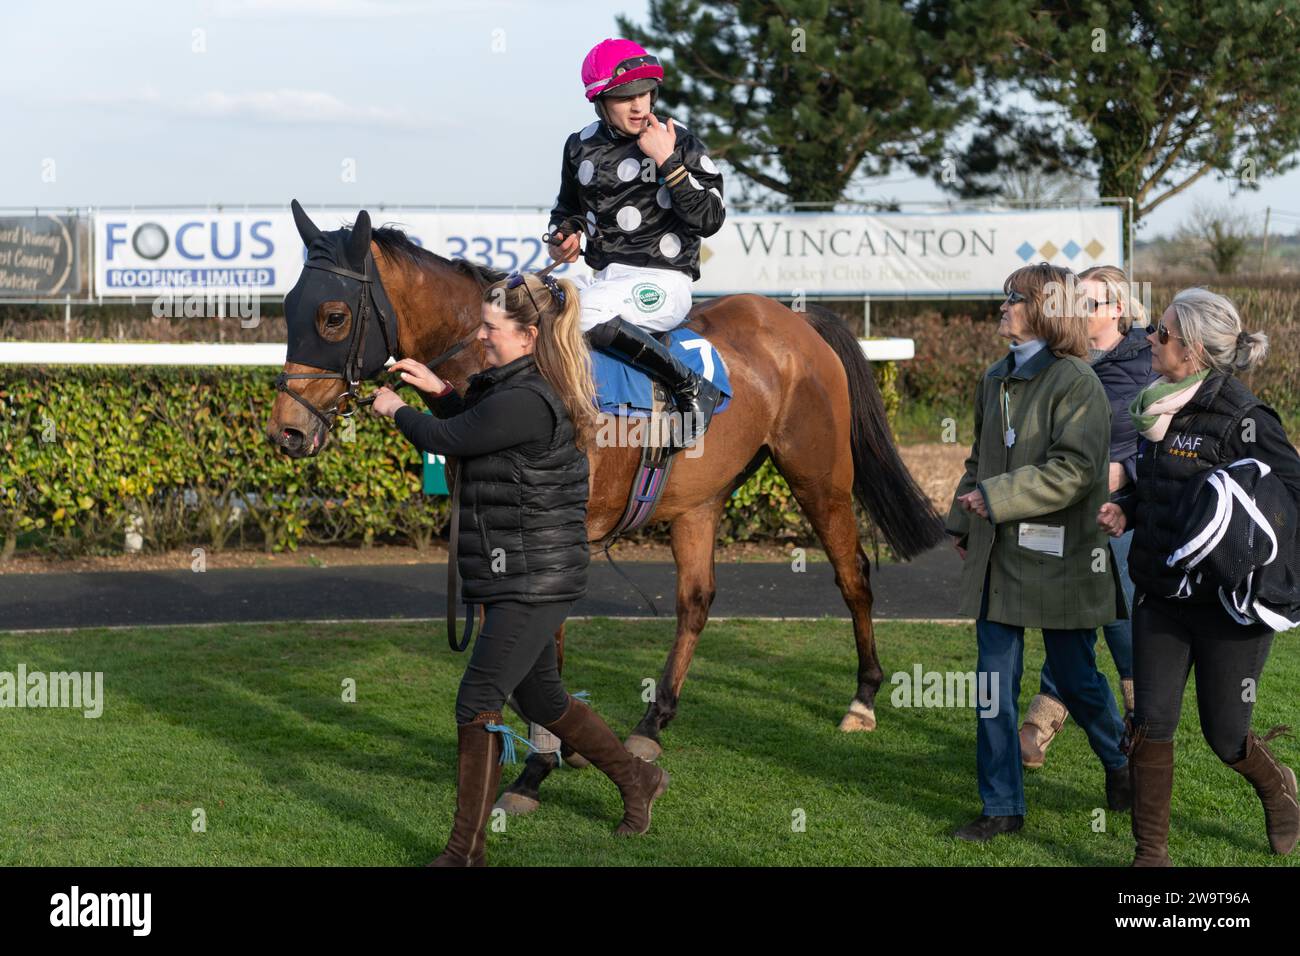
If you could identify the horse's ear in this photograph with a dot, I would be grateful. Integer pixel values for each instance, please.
(306, 228)
(359, 241)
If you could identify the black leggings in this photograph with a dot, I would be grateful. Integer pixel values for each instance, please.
(1168, 640)
(515, 654)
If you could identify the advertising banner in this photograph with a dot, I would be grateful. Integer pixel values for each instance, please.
(935, 254)
(39, 257)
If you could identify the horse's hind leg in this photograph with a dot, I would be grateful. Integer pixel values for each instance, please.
(821, 479)
(575, 760)
(693, 535)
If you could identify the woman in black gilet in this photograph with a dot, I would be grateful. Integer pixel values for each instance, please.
(520, 434)
(1196, 416)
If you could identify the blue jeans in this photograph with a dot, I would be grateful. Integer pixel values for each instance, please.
(1119, 634)
(1083, 690)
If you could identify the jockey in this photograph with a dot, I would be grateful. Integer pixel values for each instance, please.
(644, 192)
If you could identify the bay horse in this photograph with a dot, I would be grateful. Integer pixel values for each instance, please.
(803, 393)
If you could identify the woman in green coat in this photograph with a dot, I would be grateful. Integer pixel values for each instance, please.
(1024, 522)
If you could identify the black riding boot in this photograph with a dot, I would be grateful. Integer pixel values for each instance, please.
(693, 395)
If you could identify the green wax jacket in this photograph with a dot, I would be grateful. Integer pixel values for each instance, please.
(1053, 478)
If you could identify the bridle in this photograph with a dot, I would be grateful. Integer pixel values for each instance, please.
(346, 405)
(353, 374)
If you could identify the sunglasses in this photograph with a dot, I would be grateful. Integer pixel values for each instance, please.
(1092, 305)
(516, 280)
(1014, 297)
(1163, 333)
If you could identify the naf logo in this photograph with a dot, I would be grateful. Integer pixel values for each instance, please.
(1186, 446)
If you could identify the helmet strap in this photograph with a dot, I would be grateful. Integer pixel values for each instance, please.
(599, 103)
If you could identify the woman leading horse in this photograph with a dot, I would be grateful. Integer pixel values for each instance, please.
(803, 394)
(519, 434)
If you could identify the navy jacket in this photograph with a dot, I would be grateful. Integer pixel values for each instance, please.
(1124, 371)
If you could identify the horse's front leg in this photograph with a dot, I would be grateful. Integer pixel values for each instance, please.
(693, 536)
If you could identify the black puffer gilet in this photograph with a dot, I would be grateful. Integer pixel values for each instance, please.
(523, 514)
(1204, 433)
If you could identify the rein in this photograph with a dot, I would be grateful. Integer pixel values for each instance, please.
(353, 376)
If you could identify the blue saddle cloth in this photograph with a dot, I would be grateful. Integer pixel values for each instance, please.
(622, 389)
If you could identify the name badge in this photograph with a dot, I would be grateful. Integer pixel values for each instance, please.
(1045, 538)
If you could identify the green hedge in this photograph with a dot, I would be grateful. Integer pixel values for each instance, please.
(953, 350)
(181, 455)
(183, 452)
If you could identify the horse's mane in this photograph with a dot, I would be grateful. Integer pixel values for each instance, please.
(396, 244)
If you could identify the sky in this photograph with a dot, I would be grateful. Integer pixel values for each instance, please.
(349, 102)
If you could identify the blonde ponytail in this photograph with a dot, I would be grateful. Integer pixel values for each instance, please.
(565, 362)
(561, 351)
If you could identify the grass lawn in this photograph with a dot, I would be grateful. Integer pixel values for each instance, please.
(247, 723)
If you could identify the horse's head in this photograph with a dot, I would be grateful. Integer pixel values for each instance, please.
(341, 330)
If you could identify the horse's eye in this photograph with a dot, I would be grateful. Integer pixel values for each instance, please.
(335, 319)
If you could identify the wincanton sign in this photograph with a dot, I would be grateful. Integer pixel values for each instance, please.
(945, 253)
(940, 253)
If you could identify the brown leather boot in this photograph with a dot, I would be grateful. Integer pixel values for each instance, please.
(1044, 717)
(1151, 766)
(1276, 785)
(478, 771)
(639, 782)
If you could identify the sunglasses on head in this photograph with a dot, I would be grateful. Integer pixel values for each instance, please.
(514, 281)
(1163, 333)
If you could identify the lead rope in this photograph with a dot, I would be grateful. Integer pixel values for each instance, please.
(453, 576)
(508, 738)
(619, 571)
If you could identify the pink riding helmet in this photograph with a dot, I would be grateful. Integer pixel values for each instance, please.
(621, 67)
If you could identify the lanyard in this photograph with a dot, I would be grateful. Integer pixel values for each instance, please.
(1004, 405)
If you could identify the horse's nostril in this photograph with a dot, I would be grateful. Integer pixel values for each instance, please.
(292, 438)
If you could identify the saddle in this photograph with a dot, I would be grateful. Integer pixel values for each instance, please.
(640, 409)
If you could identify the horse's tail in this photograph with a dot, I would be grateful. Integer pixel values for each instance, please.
(881, 482)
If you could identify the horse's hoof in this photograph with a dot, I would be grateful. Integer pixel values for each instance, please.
(576, 761)
(859, 718)
(516, 804)
(643, 747)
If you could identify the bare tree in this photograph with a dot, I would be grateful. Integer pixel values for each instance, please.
(1220, 234)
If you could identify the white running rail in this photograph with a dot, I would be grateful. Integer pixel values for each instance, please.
(269, 354)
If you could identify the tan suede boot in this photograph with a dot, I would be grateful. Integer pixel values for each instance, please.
(478, 771)
(1126, 691)
(1043, 719)
(1276, 785)
(639, 782)
(1151, 769)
